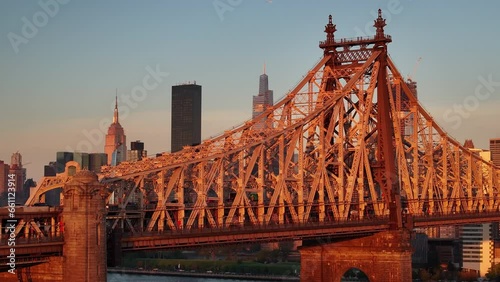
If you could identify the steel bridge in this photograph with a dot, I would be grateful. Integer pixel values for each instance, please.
(349, 150)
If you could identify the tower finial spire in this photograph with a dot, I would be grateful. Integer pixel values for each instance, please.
(264, 67)
(328, 44)
(115, 114)
(379, 25)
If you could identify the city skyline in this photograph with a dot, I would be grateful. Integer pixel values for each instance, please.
(58, 85)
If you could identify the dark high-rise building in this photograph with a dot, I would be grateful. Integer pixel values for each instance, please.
(92, 161)
(96, 160)
(137, 145)
(29, 184)
(61, 159)
(4, 172)
(186, 116)
(50, 169)
(136, 152)
(53, 197)
(263, 100)
(82, 159)
(495, 151)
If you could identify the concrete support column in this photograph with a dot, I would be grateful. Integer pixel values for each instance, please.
(384, 256)
(84, 224)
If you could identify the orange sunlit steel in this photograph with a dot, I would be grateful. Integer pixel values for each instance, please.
(349, 141)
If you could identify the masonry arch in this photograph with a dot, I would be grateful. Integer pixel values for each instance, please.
(355, 274)
(383, 256)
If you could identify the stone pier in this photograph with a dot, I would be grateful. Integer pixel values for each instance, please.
(383, 257)
(84, 216)
(83, 226)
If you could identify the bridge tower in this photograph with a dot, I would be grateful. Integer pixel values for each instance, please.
(384, 256)
(84, 226)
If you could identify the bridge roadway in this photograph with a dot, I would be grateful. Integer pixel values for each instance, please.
(323, 232)
(35, 248)
(251, 234)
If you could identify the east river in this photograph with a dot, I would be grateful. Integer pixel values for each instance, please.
(121, 277)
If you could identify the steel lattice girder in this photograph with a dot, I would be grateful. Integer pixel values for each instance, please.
(315, 156)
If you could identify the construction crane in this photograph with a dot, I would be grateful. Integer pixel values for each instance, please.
(409, 77)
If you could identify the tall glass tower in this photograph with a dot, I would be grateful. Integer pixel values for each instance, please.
(262, 100)
(186, 116)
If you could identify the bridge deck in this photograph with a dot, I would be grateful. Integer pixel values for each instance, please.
(250, 234)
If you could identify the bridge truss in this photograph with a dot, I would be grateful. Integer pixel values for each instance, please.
(350, 141)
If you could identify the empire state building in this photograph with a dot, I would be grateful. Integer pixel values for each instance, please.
(115, 146)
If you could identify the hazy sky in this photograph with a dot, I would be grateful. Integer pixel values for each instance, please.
(60, 63)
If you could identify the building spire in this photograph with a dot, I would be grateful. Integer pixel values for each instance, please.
(115, 115)
(264, 67)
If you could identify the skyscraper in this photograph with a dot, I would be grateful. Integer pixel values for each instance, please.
(136, 152)
(477, 239)
(16, 159)
(82, 159)
(4, 171)
(96, 160)
(92, 162)
(477, 247)
(495, 151)
(16, 168)
(53, 197)
(115, 145)
(186, 116)
(262, 100)
(61, 159)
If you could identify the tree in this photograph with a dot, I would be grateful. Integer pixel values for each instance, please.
(494, 272)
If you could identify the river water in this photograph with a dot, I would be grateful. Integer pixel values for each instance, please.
(119, 277)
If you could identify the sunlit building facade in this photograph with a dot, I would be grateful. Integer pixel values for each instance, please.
(115, 144)
(477, 239)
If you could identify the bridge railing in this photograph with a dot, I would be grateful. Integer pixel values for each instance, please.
(354, 41)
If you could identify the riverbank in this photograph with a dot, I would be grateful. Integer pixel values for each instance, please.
(202, 275)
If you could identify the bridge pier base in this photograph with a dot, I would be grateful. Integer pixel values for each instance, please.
(384, 256)
(84, 214)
